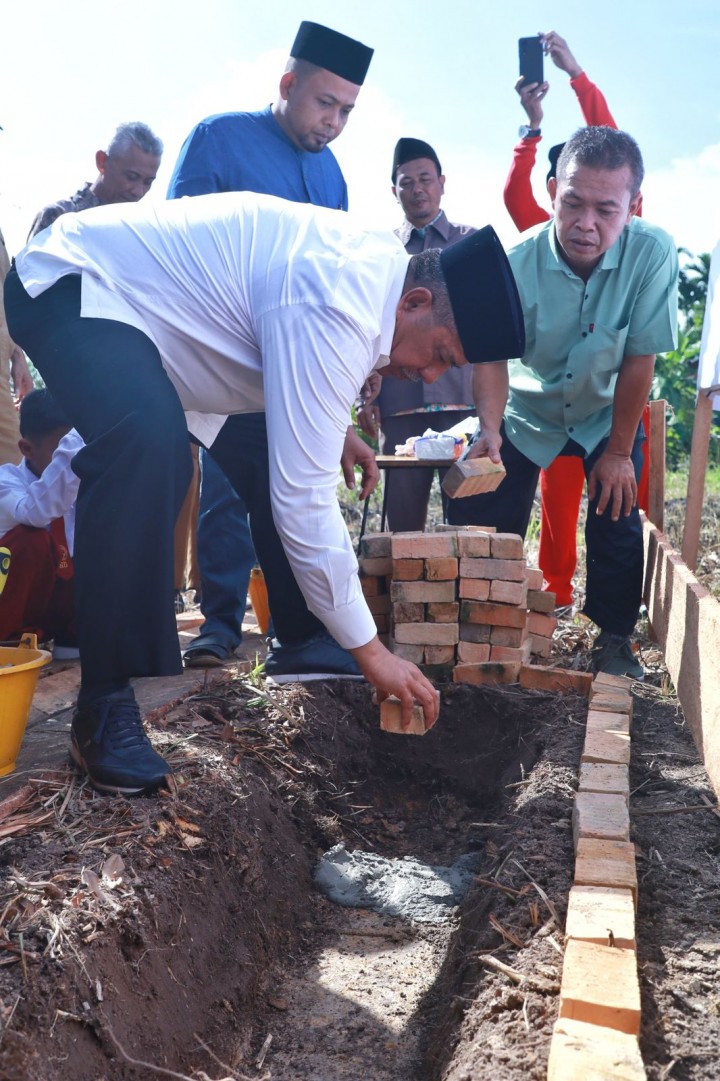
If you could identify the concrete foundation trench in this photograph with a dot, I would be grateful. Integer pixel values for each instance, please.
(190, 936)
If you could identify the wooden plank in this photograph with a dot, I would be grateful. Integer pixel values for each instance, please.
(685, 619)
(696, 479)
(656, 486)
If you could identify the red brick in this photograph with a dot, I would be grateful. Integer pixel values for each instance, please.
(540, 646)
(509, 570)
(596, 912)
(601, 815)
(607, 747)
(507, 546)
(408, 612)
(427, 634)
(559, 680)
(534, 577)
(537, 623)
(489, 673)
(599, 720)
(375, 546)
(391, 718)
(441, 570)
(600, 986)
(475, 632)
(382, 622)
(447, 612)
(499, 615)
(439, 655)
(408, 652)
(603, 777)
(507, 636)
(583, 1052)
(473, 653)
(426, 592)
(408, 570)
(423, 545)
(378, 605)
(472, 543)
(372, 585)
(503, 592)
(621, 683)
(541, 600)
(606, 863)
(443, 527)
(438, 673)
(508, 653)
(474, 589)
(471, 477)
(382, 565)
(611, 703)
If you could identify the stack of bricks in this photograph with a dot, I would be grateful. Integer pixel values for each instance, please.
(460, 602)
(596, 1034)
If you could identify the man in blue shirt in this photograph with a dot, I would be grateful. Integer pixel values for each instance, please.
(599, 294)
(281, 150)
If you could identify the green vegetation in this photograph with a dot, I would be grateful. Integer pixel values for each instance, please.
(676, 372)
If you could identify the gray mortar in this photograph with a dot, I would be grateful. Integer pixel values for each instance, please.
(397, 887)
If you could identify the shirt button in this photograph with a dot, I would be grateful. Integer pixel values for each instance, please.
(569, 375)
(567, 405)
(584, 334)
(571, 429)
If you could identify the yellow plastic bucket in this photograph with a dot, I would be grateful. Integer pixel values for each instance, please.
(19, 670)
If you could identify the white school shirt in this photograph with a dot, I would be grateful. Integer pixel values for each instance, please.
(37, 501)
(254, 303)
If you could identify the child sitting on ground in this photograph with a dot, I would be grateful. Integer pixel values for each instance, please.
(37, 525)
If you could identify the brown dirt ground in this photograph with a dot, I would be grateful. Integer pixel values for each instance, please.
(184, 929)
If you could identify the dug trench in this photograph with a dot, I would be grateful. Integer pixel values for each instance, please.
(184, 931)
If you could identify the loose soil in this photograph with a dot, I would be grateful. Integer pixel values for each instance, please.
(184, 932)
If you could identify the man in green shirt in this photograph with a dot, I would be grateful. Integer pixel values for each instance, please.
(599, 293)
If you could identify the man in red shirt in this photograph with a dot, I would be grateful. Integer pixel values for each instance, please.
(561, 485)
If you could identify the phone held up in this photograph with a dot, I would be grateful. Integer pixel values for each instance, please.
(531, 60)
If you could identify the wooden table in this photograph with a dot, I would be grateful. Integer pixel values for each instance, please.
(391, 462)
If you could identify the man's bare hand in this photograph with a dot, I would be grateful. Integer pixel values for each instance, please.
(357, 452)
(557, 49)
(22, 381)
(368, 417)
(487, 445)
(531, 96)
(371, 388)
(391, 675)
(614, 475)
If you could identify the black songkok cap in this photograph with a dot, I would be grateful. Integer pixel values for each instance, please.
(553, 154)
(484, 297)
(410, 150)
(335, 52)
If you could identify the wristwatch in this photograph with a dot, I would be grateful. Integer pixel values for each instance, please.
(529, 133)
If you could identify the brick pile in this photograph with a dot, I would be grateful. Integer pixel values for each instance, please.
(460, 602)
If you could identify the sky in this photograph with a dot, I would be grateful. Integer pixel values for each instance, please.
(441, 72)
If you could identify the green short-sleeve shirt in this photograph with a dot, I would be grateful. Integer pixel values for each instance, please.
(577, 334)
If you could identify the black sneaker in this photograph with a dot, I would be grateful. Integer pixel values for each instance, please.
(612, 653)
(319, 657)
(110, 744)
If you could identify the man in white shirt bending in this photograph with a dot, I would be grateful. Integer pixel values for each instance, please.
(215, 305)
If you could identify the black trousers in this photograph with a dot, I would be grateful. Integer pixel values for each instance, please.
(134, 472)
(614, 550)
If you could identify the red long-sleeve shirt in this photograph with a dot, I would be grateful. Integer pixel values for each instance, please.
(518, 193)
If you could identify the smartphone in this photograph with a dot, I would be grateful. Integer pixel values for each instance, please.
(531, 59)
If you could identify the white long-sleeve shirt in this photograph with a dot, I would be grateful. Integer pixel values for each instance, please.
(254, 304)
(37, 501)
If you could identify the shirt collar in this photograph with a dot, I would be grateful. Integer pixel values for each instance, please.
(439, 223)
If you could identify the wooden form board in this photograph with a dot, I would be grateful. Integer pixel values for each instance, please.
(685, 618)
